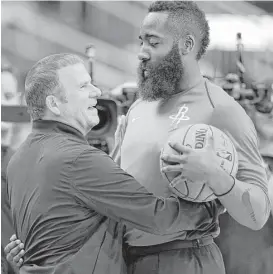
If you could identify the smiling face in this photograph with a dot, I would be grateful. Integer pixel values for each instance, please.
(78, 107)
(160, 69)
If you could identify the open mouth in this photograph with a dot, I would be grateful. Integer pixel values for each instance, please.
(93, 105)
(90, 108)
(145, 73)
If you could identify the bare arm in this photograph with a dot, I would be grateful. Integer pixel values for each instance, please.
(246, 196)
(248, 202)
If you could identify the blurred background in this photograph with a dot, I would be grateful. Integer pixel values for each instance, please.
(105, 34)
(240, 56)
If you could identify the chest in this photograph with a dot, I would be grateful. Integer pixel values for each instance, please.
(151, 124)
(148, 129)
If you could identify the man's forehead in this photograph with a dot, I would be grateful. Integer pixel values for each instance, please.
(70, 69)
(75, 73)
(154, 22)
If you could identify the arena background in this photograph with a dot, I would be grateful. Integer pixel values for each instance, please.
(110, 29)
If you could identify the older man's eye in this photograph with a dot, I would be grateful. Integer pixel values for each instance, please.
(84, 86)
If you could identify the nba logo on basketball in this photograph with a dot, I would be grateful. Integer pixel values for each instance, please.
(225, 155)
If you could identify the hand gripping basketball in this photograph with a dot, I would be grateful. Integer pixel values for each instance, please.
(192, 156)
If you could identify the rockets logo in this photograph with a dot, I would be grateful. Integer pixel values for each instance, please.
(180, 116)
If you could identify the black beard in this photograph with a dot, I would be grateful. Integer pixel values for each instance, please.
(163, 79)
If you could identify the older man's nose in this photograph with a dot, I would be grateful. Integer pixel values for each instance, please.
(95, 92)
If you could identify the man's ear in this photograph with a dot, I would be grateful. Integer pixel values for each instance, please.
(53, 104)
(186, 45)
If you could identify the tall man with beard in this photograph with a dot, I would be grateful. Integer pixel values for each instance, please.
(173, 94)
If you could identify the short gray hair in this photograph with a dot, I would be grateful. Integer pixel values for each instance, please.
(42, 80)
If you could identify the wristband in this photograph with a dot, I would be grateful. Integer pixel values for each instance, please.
(228, 190)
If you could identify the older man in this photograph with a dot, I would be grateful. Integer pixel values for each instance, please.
(70, 201)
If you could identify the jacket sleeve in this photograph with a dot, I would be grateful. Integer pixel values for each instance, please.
(103, 186)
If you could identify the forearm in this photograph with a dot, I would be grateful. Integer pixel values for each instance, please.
(107, 189)
(181, 215)
(247, 203)
(131, 204)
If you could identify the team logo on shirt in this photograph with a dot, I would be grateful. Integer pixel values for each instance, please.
(179, 116)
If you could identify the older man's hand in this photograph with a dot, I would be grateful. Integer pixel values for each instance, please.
(15, 252)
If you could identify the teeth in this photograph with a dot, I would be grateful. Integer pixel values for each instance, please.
(145, 73)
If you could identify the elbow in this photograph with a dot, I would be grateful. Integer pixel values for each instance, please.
(258, 223)
(253, 225)
(256, 226)
(257, 210)
(262, 220)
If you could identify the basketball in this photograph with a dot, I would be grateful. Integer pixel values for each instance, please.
(196, 137)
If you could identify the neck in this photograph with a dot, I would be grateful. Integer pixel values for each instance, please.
(191, 76)
(72, 124)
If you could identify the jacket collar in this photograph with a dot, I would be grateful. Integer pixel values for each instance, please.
(56, 126)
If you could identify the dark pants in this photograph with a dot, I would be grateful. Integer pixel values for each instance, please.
(171, 259)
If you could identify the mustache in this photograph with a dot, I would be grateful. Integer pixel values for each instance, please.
(163, 77)
(164, 64)
(143, 65)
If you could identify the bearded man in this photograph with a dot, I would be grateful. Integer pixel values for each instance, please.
(173, 37)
